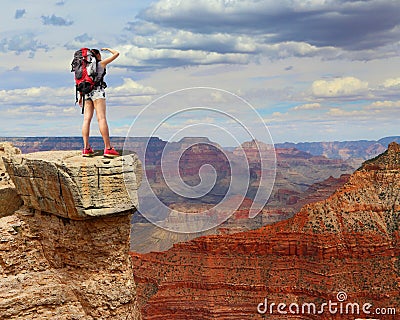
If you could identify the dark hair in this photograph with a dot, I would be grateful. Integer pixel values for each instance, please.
(95, 52)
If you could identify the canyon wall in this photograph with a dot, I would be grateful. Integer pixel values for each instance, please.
(343, 250)
(64, 253)
(296, 183)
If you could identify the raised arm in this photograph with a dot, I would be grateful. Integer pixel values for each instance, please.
(114, 56)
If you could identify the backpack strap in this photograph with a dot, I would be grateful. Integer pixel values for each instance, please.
(83, 99)
(83, 104)
(76, 94)
(101, 82)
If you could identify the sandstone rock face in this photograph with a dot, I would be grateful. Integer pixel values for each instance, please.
(67, 185)
(56, 268)
(343, 249)
(9, 199)
(60, 257)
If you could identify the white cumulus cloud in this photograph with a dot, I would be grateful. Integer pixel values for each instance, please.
(393, 82)
(131, 87)
(339, 87)
(308, 106)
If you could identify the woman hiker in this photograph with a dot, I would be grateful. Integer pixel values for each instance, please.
(96, 100)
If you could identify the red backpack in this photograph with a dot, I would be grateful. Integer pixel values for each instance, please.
(84, 65)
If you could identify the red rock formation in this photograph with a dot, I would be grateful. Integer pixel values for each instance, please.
(318, 191)
(346, 246)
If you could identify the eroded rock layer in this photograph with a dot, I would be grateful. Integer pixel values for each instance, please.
(9, 198)
(57, 268)
(344, 249)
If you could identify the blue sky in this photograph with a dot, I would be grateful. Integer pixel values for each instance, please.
(313, 70)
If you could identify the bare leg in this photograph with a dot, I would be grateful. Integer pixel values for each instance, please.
(100, 106)
(87, 118)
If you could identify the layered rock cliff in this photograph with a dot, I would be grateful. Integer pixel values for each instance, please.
(64, 252)
(342, 252)
(9, 199)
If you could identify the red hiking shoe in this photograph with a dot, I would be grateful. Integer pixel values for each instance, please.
(110, 153)
(87, 152)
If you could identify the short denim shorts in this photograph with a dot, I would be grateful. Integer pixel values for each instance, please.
(96, 93)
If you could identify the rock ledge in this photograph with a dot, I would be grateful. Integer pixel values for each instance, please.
(65, 184)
